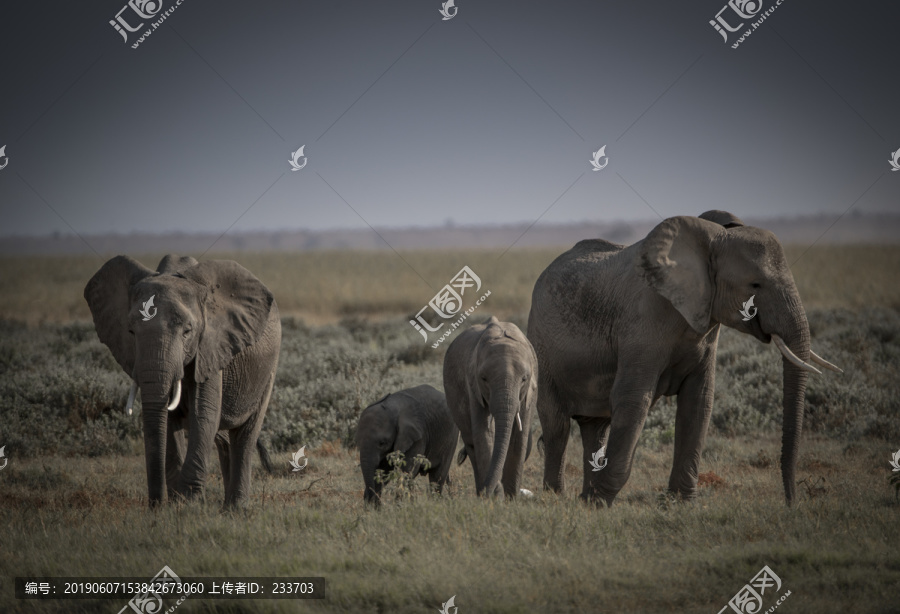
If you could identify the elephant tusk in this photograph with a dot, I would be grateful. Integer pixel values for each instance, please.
(177, 398)
(824, 363)
(131, 395)
(519, 420)
(791, 356)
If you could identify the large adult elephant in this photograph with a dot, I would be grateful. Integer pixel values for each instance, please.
(616, 327)
(201, 342)
(491, 387)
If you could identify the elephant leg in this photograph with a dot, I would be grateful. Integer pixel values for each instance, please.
(439, 476)
(555, 424)
(594, 435)
(176, 449)
(695, 401)
(203, 423)
(413, 467)
(223, 447)
(243, 447)
(631, 399)
(514, 466)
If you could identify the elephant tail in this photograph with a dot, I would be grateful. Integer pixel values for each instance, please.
(264, 457)
(462, 456)
(540, 444)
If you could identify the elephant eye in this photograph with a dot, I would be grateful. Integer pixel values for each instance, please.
(525, 377)
(755, 285)
(187, 331)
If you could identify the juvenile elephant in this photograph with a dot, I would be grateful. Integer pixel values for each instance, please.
(201, 341)
(413, 421)
(491, 386)
(617, 327)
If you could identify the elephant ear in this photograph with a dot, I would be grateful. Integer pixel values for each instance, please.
(171, 264)
(108, 297)
(674, 259)
(723, 218)
(409, 431)
(236, 308)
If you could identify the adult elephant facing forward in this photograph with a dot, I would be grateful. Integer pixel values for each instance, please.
(616, 327)
(201, 341)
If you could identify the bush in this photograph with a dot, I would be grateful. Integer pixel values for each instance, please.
(61, 391)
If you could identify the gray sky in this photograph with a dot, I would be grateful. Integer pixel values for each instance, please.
(408, 120)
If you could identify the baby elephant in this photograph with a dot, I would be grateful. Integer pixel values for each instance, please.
(413, 421)
(490, 375)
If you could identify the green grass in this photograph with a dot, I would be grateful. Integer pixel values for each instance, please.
(836, 550)
(73, 496)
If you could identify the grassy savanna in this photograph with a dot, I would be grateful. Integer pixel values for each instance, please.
(324, 286)
(73, 496)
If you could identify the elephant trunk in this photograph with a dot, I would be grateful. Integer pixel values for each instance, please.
(796, 339)
(160, 385)
(369, 465)
(155, 419)
(504, 408)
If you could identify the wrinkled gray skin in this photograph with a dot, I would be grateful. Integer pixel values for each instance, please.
(413, 421)
(217, 331)
(489, 378)
(616, 327)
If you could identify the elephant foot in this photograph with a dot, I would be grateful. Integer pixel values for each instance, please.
(682, 495)
(238, 505)
(596, 499)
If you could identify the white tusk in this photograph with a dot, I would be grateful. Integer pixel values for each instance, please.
(177, 398)
(519, 420)
(824, 363)
(131, 395)
(791, 356)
